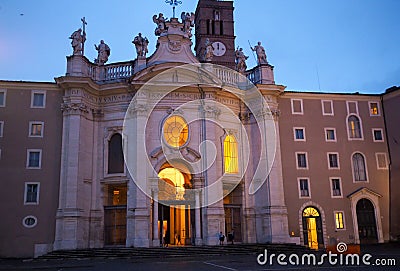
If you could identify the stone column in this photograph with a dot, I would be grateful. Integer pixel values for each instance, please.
(138, 216)
(72, 216)
(156, 234)
(198, 240)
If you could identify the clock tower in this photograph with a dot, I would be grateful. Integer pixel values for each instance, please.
(214, 21)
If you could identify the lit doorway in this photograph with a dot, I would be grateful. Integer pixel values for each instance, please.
(312, 228)
(115, 215)
(175, 214)
(366, 222)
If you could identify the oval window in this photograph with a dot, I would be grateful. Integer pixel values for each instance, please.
(29, 221)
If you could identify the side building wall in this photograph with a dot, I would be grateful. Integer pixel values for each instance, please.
(303, 131)
(391, 101)
(31, 125)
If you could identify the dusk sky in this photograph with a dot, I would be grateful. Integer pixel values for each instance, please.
(315, 45)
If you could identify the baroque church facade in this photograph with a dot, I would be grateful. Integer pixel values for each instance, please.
(178, 147)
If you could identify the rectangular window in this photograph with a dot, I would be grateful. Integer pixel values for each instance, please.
(3, 98)
(339, 220)
(304, 188)
(299, 134)
(381, 161)
(31, 193)
(374, 109)
(352, 107)
(327, 108)
(336, 188)
(34, 158)
(297, 106)
(301, 158)
(1, 128)
(377, 135)
(330, 134)
(36, 128)
(38, 99)
(333, 160)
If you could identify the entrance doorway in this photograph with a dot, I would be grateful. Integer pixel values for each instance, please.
(366, 222)
(175, 214)
(115, 215)
(312, 228)
(233, 214)
(175, 224)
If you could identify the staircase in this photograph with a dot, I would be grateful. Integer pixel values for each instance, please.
(174, 252)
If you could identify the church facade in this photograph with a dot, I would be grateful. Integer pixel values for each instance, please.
(178, 148)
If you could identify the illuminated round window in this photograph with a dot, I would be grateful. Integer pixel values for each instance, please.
(29, 221)
(175, 131)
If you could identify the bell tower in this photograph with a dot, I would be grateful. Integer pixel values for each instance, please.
(214, 21)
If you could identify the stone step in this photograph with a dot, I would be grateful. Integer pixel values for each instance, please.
(170, 252)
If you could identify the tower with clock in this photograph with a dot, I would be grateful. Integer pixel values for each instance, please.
(214, 20)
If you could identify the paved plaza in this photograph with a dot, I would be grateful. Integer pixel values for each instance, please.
(387, 254)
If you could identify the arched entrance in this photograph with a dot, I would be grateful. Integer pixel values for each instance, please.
(366, 222)
(175, 214)
(312, 228)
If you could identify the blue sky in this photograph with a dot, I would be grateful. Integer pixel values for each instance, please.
(315, 45)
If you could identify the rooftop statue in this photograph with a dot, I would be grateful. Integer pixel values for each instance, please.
(208, 53)
(160, 22)
(261, 55)
(188, 23)
(103, 53)
(240, 60)
(78, 39)
(141, 44)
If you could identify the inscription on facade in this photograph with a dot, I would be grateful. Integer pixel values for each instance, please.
(127, 97)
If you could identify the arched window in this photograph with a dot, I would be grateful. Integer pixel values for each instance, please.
(115, 155)
(360, 173)
(354, 127)
(231, 161)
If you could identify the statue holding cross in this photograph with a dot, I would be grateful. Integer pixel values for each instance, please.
(78, 39)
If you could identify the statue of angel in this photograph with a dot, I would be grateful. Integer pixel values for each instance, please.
(188, 23)
(160, 22)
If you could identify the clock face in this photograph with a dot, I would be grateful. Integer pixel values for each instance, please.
(219, 48)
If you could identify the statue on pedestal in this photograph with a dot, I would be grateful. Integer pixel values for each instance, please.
(261, 55)
(188, 23)
(103, 53)
(141, 44)
(208, 53)
(240, 60)
(160, 22)
(78, 39)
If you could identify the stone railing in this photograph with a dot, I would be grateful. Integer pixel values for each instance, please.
(118, 71)
(81, 66)
(227, 76)
(251, 75)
